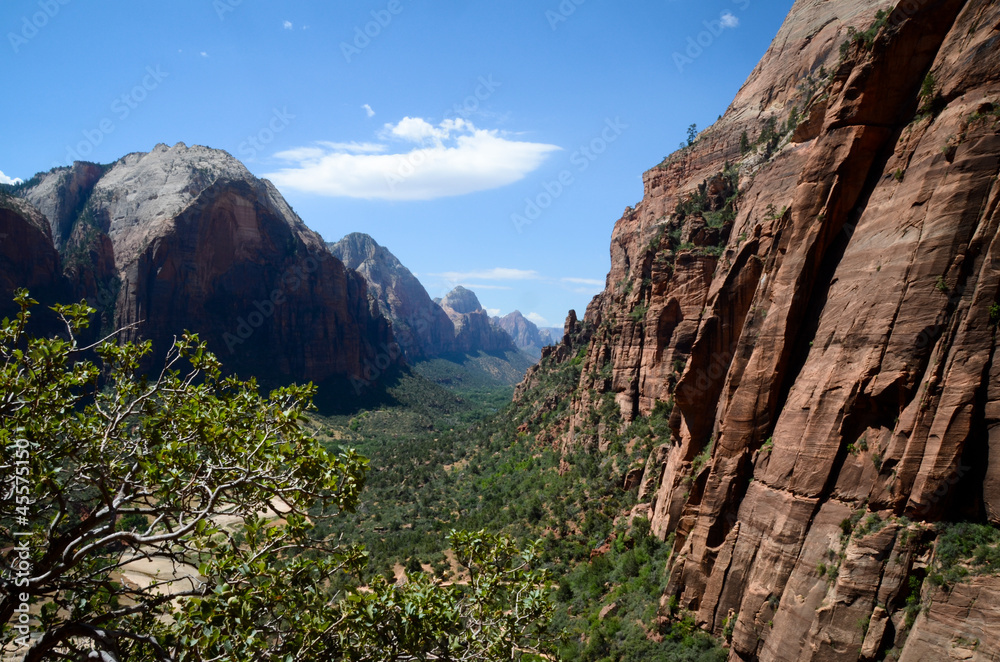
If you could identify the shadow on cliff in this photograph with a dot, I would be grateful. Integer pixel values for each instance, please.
(339, 396)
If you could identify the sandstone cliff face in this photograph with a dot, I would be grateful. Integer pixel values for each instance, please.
(825, 337)
(526, 336)
(27, 259)
(61, 195)
(420, 326)
(473, 329)
(186, 238)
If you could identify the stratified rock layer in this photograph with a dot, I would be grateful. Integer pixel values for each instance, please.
(826, 337)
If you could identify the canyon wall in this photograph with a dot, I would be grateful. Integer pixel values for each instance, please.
(811, 290)
(185, 238)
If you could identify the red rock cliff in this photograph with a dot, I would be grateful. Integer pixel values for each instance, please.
(812, 287)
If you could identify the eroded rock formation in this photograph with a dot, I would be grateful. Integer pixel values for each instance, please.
(473, 329)
(186, 238)
(813, 288)
(420, 326)
(526, 336)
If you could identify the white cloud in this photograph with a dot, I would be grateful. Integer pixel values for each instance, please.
(537, 319)
(484, 286)
(449, 159)
(728, 20)
(203, 54)
(493, 312)
(288, 25)
(355, 147)
(583, 281)
(4, 179)
(496, 273)
(368, 110)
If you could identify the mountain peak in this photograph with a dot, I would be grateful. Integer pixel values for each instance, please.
(462, 301)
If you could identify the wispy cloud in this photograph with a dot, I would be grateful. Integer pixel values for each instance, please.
(729, 20)
(288, 25)
(368, 110)
(4, 179)
(583, 281)
(484, 286)
(496, 273)
(448, 159)
(537, 319)
(203, 54)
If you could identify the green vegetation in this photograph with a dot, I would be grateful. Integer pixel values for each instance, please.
(744, 143)
(913, 605)
(870, 524)
(692, 136)
(964, 549)
(638, 313)
(863, 40)
(931, 101)
(499, 474)
(702, 459)
(202, 475)
(622, 581)
(447, 455)
(985, 111)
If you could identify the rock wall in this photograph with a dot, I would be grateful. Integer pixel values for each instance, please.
(824, 336)
(526, 336)
(185, 238)
(474, 331)
(420, 326)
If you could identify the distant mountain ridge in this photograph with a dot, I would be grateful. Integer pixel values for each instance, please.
(421, 327)
(186, 238)
(473, 328)
(527, 336)
(424, 328)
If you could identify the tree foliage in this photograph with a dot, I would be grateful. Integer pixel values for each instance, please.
(106, 471)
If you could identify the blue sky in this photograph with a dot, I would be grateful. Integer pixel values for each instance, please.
(487, 144)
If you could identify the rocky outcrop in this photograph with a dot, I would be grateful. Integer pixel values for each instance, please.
(420, 326)
(473, 329)
(28, 260)
(813, 288)
(554, 333)
(526, 336)
(186, 238)
(61, 195)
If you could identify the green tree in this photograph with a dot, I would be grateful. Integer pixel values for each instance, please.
(692, 134)
(105, 469)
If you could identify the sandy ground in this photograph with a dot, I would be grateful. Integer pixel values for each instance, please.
(146, 572)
